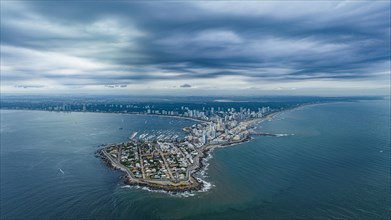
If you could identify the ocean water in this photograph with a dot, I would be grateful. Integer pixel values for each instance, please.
(335, 166)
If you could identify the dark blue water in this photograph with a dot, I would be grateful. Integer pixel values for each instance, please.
(335, 166)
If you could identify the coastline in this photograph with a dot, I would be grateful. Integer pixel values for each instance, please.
(174, 116)
(120, 113)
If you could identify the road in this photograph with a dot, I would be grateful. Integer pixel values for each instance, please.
(118, 165)
(165, 162)
(141, 162)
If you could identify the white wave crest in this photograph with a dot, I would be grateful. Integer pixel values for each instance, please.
(206, 185)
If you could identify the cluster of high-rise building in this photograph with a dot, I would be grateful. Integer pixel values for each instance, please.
(222, 127)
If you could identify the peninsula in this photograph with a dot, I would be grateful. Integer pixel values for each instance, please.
(166, 160)
(169, 163)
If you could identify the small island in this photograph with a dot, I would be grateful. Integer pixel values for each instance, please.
(169, 163)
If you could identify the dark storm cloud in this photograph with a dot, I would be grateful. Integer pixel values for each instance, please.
(185, 85)
(146, 41)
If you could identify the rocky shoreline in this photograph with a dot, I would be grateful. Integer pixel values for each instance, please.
(166, 188)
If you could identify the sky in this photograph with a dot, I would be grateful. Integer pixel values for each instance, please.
(329, 48)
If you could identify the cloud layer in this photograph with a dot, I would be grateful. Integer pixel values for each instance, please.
(227, 46)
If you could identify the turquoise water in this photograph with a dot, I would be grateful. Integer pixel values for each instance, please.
(335, 166)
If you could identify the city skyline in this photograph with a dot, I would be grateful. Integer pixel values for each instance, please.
(196, 48)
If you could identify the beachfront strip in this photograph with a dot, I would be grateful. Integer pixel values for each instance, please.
(169, 162)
